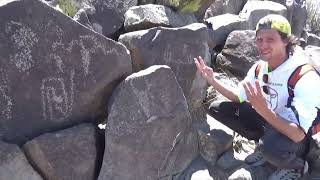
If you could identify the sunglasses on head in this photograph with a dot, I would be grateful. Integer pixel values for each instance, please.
(265, 79)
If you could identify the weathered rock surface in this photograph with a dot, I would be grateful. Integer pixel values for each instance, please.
(108, 17)
(53, 71)
(239, 52)
(313, 39)
(64, 155)
(82, 18)
(297, 16)
(14, 165)
(221, 26)
(220, 7)
(151, 15)
(255, 10)
(148, 132)
(313, 52)
(175, 47)
(196, 171)
(214, 144)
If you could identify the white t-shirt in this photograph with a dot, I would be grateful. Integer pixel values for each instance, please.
(306, 92)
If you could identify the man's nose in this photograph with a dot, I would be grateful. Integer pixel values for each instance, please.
(263, 45)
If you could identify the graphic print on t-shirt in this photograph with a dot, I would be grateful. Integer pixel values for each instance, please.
(272, 98)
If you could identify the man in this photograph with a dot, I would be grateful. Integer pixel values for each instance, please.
(260, 101)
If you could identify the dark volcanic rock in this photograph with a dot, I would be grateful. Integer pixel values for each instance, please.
(65, 155)
(53, 71)
(148, 132)
(14, 165)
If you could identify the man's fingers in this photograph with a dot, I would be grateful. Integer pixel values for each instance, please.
(251, 88)
(197, 63)
(201, 61)
(246, 89)
(258, 89)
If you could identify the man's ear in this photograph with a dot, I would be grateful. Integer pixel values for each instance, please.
(286, 41)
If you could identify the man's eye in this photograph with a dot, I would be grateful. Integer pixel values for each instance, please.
(270, 40)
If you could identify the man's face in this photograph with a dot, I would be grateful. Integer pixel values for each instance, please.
(270, 46)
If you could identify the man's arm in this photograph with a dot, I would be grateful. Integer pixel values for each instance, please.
(290, 129)
(255, 97)
(208, 74)
(224, 90)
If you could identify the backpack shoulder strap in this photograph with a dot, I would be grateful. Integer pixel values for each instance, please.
(294, 78)
(257, 70)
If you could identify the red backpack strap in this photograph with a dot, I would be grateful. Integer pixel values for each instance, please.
(257, 70)
(294, 78)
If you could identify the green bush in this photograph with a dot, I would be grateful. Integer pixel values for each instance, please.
(190, 6)
(313, 16)
(68, 7)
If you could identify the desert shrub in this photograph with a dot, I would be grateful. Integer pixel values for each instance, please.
(67, 7)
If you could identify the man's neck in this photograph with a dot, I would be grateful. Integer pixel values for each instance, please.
(274, 63)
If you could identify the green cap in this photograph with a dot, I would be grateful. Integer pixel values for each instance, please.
(274, 21)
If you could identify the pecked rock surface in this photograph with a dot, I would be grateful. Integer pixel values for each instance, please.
(148, 131)
(53, 71)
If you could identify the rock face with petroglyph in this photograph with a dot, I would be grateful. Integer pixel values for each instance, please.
(53, 71)
(175, 47)
(148, 131)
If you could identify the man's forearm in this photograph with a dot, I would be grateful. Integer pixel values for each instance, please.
(289, 129)
(224, 90)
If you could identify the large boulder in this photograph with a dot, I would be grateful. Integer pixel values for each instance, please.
(66, 154)
(313, 53)
(297, 15)
(239, 52)
(215, 143)
(54, 72)
(175, 47)
(255, 10)
(193, 172)
(151, 15)
(221, 26)
(220, 7)
(313, 39)
(148, 132)
(14, 165)
(108, 17)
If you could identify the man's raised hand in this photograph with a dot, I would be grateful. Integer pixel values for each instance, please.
(206, 71)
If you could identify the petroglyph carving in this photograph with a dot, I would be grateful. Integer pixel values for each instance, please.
(6, 102)
(169, 54)
(56, 100)
(23, 39)
(88, 45)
